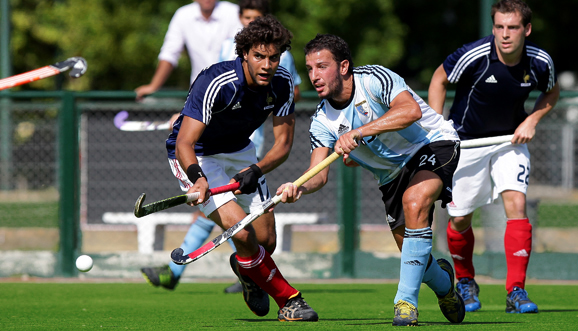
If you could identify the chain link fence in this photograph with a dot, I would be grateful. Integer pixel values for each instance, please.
(117, 166)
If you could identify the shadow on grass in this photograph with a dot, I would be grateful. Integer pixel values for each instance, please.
(323, 320)
(469, 323)
(333, 290)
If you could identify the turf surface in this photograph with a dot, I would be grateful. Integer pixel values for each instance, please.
(50, 306)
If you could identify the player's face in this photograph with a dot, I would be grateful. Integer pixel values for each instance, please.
(260, 65)
(248, 16)
(325, 74)
(510, 33)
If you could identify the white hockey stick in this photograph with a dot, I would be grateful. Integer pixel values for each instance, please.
(480, 142)
(178, 255)
(122, 124)
(77, 64)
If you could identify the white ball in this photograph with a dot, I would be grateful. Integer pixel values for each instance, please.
(84, 263)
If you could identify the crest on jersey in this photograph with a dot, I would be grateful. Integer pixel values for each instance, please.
(269, 99)
(362, 108)
(526, 80)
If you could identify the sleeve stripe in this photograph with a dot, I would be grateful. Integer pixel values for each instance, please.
(543, 56)
(212, 91)
(467, 59)
(314, 142)
(383, 76)
(282, 72)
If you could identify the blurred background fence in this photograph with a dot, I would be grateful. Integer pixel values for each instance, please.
(57, 183)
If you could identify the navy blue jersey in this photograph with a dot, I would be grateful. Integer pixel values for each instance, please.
(490, 96)
(220, 98)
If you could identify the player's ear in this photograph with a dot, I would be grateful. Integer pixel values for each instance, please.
(528, 29)
(344, 67)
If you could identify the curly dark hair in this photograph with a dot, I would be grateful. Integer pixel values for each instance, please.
(263, 31)
(261, 6)
(512, 6)
(336, 45)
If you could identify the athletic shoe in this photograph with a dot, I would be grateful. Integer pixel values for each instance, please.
(451, 304)
(518, 302)
(296, 309)
(235, 288)
(160, 276)
(469, 290)
(405, 314)
(256, 299)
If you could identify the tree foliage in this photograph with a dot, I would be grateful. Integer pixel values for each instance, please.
(121, 40)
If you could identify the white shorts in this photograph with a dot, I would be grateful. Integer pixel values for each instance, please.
(485, 172)
(219, 169)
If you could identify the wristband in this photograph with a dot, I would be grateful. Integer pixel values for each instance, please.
(195, 172)
(256, 170)
(249, 179)
(360, 134)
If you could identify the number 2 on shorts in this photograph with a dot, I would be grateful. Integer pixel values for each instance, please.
(521, 177)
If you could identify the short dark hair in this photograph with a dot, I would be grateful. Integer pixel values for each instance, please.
(261, 6)
(336, 45)
(512, 6)
(263, 31)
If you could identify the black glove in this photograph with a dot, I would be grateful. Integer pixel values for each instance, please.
(249, 179)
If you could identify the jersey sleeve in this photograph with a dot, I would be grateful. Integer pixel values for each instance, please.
(283, 88)
(204, 97)
(319, 133)
(545, 73)
(288, 63)
(174, 42)
(384, 85)
(458, 65)
(227, 51)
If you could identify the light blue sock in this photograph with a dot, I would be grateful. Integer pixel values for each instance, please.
(195, 237)
(436, 278)
(415, 252)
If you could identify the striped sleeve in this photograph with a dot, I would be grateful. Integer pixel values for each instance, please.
(384, 84)
(283, 88)
(457, 63)
(320, 134)
(544, 68)
(208, 94)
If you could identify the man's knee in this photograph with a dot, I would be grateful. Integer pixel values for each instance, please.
(461, 223)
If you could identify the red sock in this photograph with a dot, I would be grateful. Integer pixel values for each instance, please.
(518, 246)
(263, 271)
(461, 246)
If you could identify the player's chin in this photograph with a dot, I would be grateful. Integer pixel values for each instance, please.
(264, 80)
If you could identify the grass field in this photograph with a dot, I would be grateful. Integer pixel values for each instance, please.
(76, 306)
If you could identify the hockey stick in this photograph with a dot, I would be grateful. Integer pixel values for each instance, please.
(177, 254)
(122, 124)
(480, 142)
(77, 64)
(140, 210)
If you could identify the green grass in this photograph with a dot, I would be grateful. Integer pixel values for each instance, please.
(49, 306)
(26, 214)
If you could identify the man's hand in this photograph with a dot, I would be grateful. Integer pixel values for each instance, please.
(524, 132)
(290, 193)
(249, 179)
(143, 91)
(201, 186)
(347, 143)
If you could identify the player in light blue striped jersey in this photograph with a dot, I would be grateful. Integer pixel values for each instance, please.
(371, 117)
